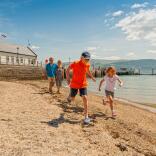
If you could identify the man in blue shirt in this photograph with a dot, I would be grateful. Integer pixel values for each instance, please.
(51, 68)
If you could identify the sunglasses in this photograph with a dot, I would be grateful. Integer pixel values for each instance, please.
(87, 60)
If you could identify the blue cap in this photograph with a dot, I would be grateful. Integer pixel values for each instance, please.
(86, 55)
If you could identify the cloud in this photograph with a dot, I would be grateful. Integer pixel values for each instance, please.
(112, 58)
(151, 51)
(95, 56)
(131, 54)
(140, 26)
(108, 49)
(117, 13)
(139, 5)
(34, 47)
(91, 48)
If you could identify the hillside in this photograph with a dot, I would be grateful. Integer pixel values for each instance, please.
(145, 65)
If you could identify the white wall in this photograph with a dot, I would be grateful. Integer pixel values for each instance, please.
(3, 59)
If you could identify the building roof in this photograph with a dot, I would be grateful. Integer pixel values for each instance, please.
(13, 48)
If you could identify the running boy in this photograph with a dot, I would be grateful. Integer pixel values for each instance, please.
(59, 76)
(110, 79)
(79, 81)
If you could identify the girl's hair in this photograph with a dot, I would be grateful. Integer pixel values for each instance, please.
(111, 68)
(59, 62)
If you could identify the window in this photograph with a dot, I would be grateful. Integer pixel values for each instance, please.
(17, 60)
(12, 59)
(32, 61)
(21, 60)
(7, 59)
(29, 61)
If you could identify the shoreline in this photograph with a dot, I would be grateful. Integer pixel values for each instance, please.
(147, 107)
(138, 105)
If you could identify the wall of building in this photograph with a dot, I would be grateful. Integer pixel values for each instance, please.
(10, 58)
(20, 72)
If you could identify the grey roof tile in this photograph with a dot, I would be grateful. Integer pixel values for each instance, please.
(8, 47)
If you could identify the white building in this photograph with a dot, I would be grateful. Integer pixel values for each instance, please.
(17, 54)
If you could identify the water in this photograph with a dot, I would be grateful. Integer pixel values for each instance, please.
(140, 89)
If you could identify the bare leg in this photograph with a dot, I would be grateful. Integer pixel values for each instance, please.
(58, 89)
(50, 85)
(105, 100)
(111, 102)
(85, 102)
(70, 99)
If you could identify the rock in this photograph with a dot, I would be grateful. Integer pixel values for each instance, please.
(122, 147)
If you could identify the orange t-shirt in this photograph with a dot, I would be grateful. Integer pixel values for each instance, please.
(79, 79)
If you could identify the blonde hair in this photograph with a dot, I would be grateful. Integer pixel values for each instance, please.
(112, 69)
(59, 62)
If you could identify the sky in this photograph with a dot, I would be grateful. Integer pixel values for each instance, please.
(63, 29)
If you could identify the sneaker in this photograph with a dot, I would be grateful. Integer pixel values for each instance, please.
(50, 92)
(87, 120)
(114, 113)
(69, 100)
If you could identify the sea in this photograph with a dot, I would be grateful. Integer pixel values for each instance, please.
(140, 89)
(137, 88)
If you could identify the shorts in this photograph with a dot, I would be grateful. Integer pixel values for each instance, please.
(74, 91)
(58, 83)
(109, 93)
(51, 80)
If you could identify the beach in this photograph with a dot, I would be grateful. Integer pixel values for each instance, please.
(36, 123)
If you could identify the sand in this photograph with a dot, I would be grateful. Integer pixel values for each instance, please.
(35, 123)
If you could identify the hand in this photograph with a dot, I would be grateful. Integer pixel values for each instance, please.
(94, 79)
(68, 81)
(121, 84)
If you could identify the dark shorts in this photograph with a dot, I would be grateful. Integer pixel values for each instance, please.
(109, 93)
(74, 91)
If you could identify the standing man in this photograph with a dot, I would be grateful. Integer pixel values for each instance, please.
(51, 68)
(79, 81)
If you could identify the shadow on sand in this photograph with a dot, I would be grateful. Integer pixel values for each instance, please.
(70, 108)
(57, 121)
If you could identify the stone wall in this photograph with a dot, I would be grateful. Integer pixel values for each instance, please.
(20, 72)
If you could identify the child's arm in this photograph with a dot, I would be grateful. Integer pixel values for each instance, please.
(63, 74)
(68, 75)
(120, 82)
(91, 76)
(101, 82)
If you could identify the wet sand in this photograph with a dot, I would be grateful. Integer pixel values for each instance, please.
(33, 123)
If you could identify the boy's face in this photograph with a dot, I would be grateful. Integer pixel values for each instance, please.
(85, 61)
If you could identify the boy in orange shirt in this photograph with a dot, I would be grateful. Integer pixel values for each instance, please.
(79, 81)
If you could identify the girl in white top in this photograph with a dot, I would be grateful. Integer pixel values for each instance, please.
(110, 80)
